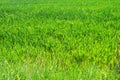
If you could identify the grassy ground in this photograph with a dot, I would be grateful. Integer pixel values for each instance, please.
(59, 39)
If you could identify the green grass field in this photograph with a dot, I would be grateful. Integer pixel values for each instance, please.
(59, 39)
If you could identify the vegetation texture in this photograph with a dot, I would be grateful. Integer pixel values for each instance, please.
(59, 39)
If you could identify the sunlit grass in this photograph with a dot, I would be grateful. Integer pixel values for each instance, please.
(59, 40)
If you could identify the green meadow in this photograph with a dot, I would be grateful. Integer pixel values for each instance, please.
(59, 39)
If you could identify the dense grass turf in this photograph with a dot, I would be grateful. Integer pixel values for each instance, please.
(59, 39)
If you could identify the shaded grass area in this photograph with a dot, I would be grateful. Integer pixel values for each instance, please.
(56, 40)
